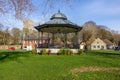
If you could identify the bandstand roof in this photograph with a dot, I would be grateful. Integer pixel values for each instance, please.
(58, 23)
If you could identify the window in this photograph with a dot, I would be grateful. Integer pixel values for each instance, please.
(98, 46)
(97, 42)
(94, 46)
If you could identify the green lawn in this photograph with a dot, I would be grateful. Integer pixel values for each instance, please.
(22, 65)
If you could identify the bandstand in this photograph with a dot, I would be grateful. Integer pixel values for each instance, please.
(57, 24)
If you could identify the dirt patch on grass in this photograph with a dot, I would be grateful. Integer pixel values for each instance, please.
(91, 69)
(88, 69)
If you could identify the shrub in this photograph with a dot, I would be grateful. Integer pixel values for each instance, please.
(49, 52)
(61, 51)
(44, 52)
(71, 52)
(34, 51)
(65, 52)
(80, 51)
(68, 52)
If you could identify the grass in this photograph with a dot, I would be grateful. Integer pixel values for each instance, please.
(22, 65)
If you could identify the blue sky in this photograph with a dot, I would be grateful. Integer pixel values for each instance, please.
(102, 12)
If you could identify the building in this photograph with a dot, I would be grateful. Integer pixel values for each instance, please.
(28, 42)
(59, 23)
(28, 28)
(99, 44)
(82, 45)
(29, 24)
(109, 44)
(32, 42)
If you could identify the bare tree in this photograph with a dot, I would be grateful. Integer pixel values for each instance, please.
(17, 7)
(16, 34)
(116, 37)
(21, 7)
(89, 31)
(51, 4)
(3, 6)
(104, 33)
(5, 37)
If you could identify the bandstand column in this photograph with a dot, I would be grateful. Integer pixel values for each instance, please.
(42, 38)
(53, 36)
(38, 39)
(48, 37)
(65, 39)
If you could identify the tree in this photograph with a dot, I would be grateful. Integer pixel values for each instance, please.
(116, 37)
(89, 31)
(1, 26)
(50, 5)
(19, 8)
(16, 34)
(5, 37)
(1, 37)
(103, 33)
(22, 8)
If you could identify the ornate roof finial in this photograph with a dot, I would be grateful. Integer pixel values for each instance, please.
(59, 11)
